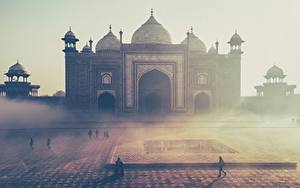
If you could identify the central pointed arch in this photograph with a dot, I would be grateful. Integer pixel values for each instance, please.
(154, 93)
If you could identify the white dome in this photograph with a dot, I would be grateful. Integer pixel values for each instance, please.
(86, 49)
(17, 69)
(108, 42)
(195, 43)
(151, 32)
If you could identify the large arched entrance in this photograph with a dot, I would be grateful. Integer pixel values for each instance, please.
(106, 103)
(154, 93)
(202, 104)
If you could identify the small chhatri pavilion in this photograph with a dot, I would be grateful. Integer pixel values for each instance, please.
(17, 84)
(275, 85)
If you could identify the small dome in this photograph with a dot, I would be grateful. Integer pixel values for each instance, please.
(70, 34)
(108, 42)
(17, 69)
(236, 39)
(151, 32)
(275, 72)
(212, 50)
(86, 49)
(195, 43)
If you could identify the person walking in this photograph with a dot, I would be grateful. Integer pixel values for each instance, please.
(49, 143)
(221, 164)
(90, 133)
(96, 132)
(31, 143)
(119, 167)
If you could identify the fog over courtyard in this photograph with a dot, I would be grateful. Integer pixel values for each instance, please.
(76, 160)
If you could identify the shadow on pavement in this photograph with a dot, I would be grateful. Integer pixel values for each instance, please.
(106, 180)
(210, 185)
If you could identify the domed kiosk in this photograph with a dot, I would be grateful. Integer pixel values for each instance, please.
(275, 72)
(275, 85)
(17, 84)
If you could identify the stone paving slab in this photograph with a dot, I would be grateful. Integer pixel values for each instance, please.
(193, 177)
(181, 177)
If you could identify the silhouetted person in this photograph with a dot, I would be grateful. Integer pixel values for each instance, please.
(119, 167)
(221, 164)
(49, 143)
(90, 133)
(31, 143)
(106, 134)
(96, 132)
(122, 168)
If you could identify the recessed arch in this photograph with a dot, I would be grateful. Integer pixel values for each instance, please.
(154, 93)
(201, 103)
(106, 103)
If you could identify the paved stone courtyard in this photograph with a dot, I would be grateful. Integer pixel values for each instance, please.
(75, 160)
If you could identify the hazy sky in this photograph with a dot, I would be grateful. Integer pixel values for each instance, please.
(31, 31)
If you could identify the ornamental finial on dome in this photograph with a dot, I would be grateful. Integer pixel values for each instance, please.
(151, 32)
(108, 42)
(151, 11)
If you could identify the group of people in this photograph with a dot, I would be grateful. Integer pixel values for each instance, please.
(90, 133)
(119, 165)
(48, 143)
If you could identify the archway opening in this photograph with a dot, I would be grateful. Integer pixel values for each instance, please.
(202, 104)
(154, 93)
(106, 103)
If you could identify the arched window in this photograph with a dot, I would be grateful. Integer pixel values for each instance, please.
(202, 79)
(106, 78)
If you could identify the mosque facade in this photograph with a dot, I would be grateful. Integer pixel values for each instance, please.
(151, 74)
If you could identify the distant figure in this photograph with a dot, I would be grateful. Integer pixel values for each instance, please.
(122, 168)
(31, 143)
(298, 121)
(96, 132)
(106, 135)
(119, 167)
(49, 143)
(90, 133)
(221, 166)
